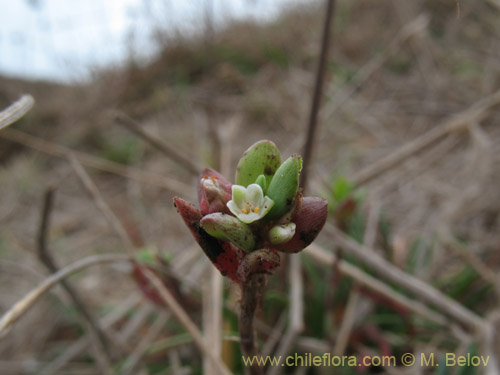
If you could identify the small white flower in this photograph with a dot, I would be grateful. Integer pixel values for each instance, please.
(249, 203)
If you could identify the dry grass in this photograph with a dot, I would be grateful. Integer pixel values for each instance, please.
(397, 71)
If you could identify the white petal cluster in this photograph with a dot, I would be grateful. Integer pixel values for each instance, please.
(249, 204)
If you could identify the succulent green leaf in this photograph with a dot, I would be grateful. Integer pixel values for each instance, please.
(262, 158)
(228, 228)
(284, 186)
(261, 181)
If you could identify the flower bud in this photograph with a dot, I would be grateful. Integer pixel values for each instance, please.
(214, 191)
(261, 181)
(228, 228)
(284, 186)
(281, 233)
(309, 221)
(262, 158)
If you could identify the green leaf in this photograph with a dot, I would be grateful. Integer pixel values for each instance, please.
(228, 228)
(284, 186)
(262, 158)
(261, 181)
(341, 188)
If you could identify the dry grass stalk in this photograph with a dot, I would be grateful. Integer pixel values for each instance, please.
(354, 296)
(21, 307)
(362, 278)
(294, 271)
(16, 110)
(133, 359)
(97, 334)
(417, 26)
(186, 321)
(416, 286)
(81, 344)
(101, 204)
(167, 297)
(91, 161)
(474, 114)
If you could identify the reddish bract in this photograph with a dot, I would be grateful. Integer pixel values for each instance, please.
(309, 220)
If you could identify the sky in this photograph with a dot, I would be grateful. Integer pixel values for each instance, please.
(63, 40)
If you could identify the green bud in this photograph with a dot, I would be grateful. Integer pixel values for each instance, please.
(281, 233)
(261, 180)
(228, 228)
(284, 186)
(262, 158)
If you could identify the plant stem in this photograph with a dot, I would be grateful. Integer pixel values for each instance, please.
(318, 92)
(252, 291)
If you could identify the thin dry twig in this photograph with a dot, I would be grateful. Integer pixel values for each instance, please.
(23, 305)
(16, 111)
(294, 272)
(46, 258)
(185, 320)
(91, 161)
(296, 311)
(101, 204)
(212, 316)
(133, 126)
(318, 92)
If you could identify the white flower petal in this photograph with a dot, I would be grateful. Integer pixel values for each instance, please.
(266, 205)
(249, 218)
(239, 195)
(234, 208)
(249, 204)
(254, 194)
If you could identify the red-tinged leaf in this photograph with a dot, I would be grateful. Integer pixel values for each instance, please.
(344, 212)
(213, 199)
(309, 221)
(228, 261)
(259, 261)
(225, 256)
(190, 214)
(162, 271)
(150, 291)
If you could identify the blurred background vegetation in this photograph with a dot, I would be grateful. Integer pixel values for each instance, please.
(397, 70)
